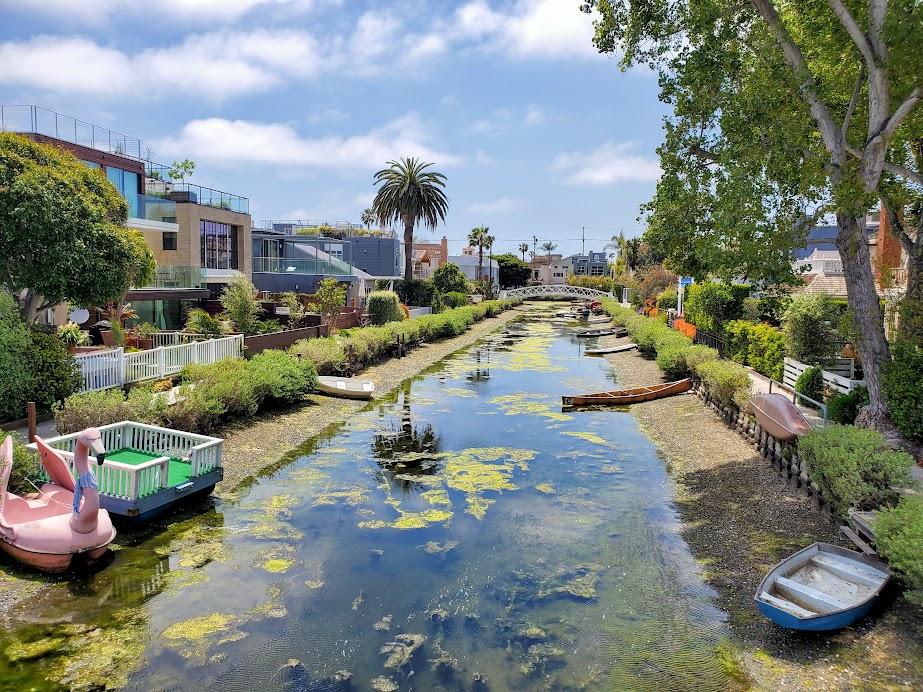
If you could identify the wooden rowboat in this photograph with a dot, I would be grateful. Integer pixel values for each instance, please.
(820, 588)
(778, 416)
(586, 333)
(609, 349)
(624, 397)
(598, 319)
(346, 387)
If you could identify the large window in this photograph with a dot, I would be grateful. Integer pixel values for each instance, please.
(169, 240)
(218, 245)
(126, 182)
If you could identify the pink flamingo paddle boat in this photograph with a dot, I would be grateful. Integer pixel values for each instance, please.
(45, 530)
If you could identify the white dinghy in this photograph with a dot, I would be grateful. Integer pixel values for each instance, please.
(346, 387)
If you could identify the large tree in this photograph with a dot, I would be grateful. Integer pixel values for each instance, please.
(513, 271)
(61, 230)
(783, 113)
(410, 194)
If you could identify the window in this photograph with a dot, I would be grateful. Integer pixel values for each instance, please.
(597, 270)
(218, 245)
(126, 182)
(169, 240)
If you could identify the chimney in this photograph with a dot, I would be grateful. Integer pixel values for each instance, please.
(887, 250)
(443, 251)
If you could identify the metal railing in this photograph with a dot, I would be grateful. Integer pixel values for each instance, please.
(316, 266)
(41, 121)
(711, 341)
(164, 188)
(798, 395)
(340, 229)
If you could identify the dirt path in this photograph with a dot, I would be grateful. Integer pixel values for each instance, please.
(260, 445)
(739, 519)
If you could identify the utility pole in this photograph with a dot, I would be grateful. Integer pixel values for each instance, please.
(534, 244)
(583, 240)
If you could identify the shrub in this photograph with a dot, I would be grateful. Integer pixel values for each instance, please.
(199, 321)
(766, 351)
(810, 383)
(697, 354)
(672, 360)
(282, 378)
(853, 467)
(655, 280)
(709, 305)
(239, 300)
(667, 299)
(55, 373)
(455, 299)
(15, 342)
(449, 278)
(71, 334)
(809, 336)
(901, 385)
(737, 340)
(25, 476)
(327, 354)
(267, 327)
(899, 538)
(843, 408)
(92, 409)
(415, 292)
(383, 307)
(728, 382)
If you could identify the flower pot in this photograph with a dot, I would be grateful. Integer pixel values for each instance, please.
(71, 348)
(108, 337)
(146, 344)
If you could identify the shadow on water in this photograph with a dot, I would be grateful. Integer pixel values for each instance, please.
(462, 533)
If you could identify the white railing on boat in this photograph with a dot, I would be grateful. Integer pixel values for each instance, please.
(115, 367)
(134, 481)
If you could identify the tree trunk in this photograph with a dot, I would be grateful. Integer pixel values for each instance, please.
(480, 262)
(31, 305)
(910, 326)
(863, 300)
(408, 250)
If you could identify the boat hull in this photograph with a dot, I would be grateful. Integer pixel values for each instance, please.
(626, 397)
(824, 623)
(52, 563)
(778, 416)
(328, 385)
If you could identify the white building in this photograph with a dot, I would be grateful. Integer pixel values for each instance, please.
(469, 266)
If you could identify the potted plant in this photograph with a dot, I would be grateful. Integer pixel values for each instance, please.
(73, 336)
(144, 335)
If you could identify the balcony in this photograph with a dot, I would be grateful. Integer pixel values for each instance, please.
(313, 266)
(155, 209)
(41, 121)
(168, 276)
(159, 184)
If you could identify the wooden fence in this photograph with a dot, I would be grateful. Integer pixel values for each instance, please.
(115, 367)
(838, 376)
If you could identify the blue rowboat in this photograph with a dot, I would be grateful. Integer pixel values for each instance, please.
(821, 588)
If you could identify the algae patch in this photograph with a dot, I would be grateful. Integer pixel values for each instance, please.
(588, 436)
(546, 488)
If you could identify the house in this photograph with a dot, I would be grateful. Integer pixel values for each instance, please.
(548, 270)
(200, 237)
(297, 256)
(590, 264)
(427, 257)
(469, 267)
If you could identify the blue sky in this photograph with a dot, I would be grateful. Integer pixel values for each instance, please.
(295, 103)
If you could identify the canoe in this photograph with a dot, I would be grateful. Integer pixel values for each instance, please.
(598, 319)
(609, 349)
(778, 416)
(623, 397)
(586, 333)
(821, 588)
(346, 387)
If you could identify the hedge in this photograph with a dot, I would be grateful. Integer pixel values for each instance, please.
(853, 467)
(901, 384)
(455, 299)
(758, 345)
(384, 306)
(809, 336)
(725, 380)
(899, 538)
(709, 305)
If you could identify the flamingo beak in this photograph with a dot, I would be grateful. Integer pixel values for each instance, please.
(96, 446)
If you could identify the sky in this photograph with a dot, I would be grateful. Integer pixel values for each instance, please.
(296, 103)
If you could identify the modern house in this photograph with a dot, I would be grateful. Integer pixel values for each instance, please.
(298, 255)
(200, 237)
(590, 264)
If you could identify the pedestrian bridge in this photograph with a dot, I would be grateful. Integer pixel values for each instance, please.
(554, 291)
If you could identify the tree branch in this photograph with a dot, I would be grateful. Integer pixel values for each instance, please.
(855, 32)
(893, 168)
(806, 82)
(854, 100)
(897, 226)
(878, 9)
(903, 110)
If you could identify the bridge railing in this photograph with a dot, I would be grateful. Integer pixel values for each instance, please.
(554, 291)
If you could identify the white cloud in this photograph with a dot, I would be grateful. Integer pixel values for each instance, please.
(482, 158)
(99, 11)
(364, 199)
(65, 64)
(501, 205)
(609, 164)
(534, 115)
(480, 127)
(222, 141)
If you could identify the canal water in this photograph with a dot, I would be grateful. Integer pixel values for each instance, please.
(463, 534)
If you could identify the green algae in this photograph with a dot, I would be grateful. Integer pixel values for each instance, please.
(611, 469)
(410, 520)
(401, 649)
(588, 436)
(27, 651)
(195, 636)
(278, 565)
(315, 584)
(307, 476)
(728, 660)
(351, 497)
(520, 404)
(180, 579)
(546, 488)
(437, 496)
(458, 391)
(434, 548)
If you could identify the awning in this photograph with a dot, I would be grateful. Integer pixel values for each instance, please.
(167, 294)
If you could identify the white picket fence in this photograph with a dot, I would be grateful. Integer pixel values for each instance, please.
(115, 367)
(837, 377)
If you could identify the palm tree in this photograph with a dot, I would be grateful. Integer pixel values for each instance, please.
(523, 248)
(549, 247)
(368, 218)
(489, 244)
(410, 194)
(477, 237)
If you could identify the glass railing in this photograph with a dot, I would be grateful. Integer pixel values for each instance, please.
(154, 209)
(177, 277)
(41, 121)
(159, 185)
(317, 266)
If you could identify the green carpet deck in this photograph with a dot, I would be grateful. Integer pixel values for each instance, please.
(178, 472)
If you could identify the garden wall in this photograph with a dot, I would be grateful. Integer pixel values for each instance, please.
(280, 340)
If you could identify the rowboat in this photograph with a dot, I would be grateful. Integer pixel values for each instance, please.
(778, 416)
(820, 588)
(346, 387)
(598, 319)
(587, 333)
(624, 397)
(609, 349)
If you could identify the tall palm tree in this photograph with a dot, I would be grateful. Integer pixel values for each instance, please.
(523, 248)
(368, 217)
(549, 247)
(489, 244)
(410, 194)
(477, 237)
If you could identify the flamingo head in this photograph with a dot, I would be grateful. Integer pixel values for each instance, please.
(93, 441)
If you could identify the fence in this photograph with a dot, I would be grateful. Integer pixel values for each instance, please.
(114, 368)
(709, 340)
(837, 377)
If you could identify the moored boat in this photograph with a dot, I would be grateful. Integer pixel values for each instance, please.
(624, 397)
(610, 349)
(586, 333)
(820, 588)
(778, 416)
(346, 387)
